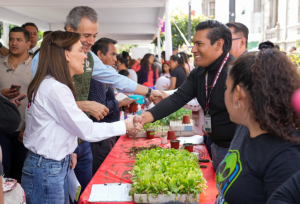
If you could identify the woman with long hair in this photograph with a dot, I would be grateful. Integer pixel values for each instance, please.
(148, 72)
(54, 122)
(179, 72)
(186, 61)
(259, 89)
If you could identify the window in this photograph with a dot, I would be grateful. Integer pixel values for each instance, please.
(212, 9)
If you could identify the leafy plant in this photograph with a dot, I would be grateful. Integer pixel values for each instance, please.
(181, 21)
(166, 171)
(163, 135)
(151, 126)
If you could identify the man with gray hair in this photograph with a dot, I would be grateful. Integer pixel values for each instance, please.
(83, 20)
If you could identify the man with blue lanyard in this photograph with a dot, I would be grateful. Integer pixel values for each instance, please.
(84, 20)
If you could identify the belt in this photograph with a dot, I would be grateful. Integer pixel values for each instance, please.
(80, 141)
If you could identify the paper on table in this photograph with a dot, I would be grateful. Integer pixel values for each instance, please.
(196, 139)
(74, 186)
(110, 192)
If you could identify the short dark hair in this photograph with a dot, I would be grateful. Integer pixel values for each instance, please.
(175, 48)
(122, 60)
(239, 28)
(124, 72)
(217, 30)
(46, 33)
(21, 30)
(102, 45)
(30, 24)
(125, 54)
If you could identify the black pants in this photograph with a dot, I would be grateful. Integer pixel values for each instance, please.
(100, 150)
(14, 154)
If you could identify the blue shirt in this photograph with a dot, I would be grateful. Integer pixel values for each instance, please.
(102, 73)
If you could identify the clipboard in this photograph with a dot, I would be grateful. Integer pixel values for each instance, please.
(110, 192)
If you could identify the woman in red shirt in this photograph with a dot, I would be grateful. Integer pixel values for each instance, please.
(146, 69)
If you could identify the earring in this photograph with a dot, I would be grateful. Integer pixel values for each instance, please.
(68, 60)
(238, 104)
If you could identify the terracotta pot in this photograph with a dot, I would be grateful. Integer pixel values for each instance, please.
(133, 108)
(150, 134)
(175, 144)
(164, 140)
(189, 147)
(186, 119)
(171, 135)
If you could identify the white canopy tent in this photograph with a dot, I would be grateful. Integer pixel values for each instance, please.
(127, 21)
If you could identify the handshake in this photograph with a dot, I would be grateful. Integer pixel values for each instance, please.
(134, 125)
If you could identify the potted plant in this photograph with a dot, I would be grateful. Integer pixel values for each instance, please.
(164, 139)
(150, 131)
(133, 107)
(189, 147)
(175, 144)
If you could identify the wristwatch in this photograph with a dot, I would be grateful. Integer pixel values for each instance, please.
(1, 45)
(149, 92)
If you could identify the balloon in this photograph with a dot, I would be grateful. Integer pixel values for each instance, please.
(296, 101)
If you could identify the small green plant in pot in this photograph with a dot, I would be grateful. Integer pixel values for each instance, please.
(150, 131)
(164, 139)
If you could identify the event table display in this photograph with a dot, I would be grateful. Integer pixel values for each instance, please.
(118, 166)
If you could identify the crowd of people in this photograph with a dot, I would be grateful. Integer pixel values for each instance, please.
(60, 110)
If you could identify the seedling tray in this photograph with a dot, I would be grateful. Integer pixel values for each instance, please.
(163, 198)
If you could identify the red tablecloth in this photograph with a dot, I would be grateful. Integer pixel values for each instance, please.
(118, 163)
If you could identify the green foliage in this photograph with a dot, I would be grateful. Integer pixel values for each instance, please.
(127, 48)
(182, 23)
(175, 116)
(166, 171)
(166, 120)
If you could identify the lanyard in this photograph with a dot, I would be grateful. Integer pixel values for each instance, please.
(214, 82)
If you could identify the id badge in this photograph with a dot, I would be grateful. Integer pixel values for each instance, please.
(207, 123)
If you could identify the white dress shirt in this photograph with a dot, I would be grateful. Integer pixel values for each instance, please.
(32, 50)
(54, 121)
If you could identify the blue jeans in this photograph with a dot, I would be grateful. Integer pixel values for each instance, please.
(218, 154)
(45, 180)
(84, 168)
(208, 143)
(14, 155)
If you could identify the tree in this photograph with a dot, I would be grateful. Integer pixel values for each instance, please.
(182, 23)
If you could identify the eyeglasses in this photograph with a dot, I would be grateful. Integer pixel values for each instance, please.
(118, 64)
(236, 39)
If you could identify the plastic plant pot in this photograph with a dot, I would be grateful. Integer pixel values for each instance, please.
(171, 135)
(133, 108)
(189, 147)
(164, 140)
(150, 134)
(175, 144)
(186, 119)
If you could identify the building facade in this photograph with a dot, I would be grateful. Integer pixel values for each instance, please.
(275, 20)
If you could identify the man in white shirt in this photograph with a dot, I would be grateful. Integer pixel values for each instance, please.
(34, 36)
(15, 69)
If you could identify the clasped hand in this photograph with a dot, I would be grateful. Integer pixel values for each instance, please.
(134, 125)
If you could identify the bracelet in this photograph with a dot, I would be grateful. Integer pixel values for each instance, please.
(149, 92)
